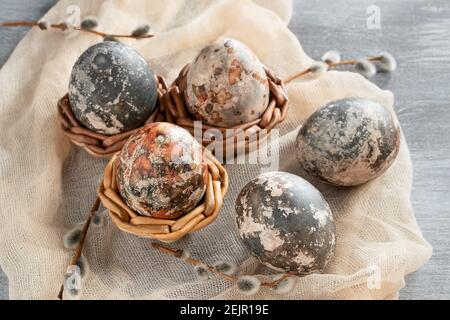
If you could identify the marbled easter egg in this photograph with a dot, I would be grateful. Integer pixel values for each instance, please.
(348, 142)
(112, 88)
(286, 223)
(162, 171)
(227, 85)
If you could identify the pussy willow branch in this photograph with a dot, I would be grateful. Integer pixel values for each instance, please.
(179, 252)
(63, 27)
(79, 249)
(330, 65)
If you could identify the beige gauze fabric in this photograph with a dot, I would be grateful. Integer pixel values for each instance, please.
(48, 185)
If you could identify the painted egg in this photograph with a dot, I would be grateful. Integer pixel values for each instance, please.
(162, 171)
(112, 88)
(348, 142)
(286, 223)
(227, 85)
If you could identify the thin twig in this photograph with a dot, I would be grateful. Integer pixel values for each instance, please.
(79, 249)
(102, 34)
(352, 61)
(19, 24)
(330, 65)
(297, 75)
(179, 252)
(63, 27)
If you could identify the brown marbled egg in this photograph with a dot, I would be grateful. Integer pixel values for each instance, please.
(348, 142)
(112, 88)
(162, 171)
(286, 223)
(227, 85)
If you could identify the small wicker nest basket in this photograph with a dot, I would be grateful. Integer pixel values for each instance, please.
(161, 229)
(97, 144)
(177, 112)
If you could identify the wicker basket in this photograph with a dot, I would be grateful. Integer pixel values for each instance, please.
(161, 229)
(96, 144)
(176, 111)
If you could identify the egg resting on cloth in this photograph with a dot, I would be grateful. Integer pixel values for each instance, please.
(227, 85)
(162, 172)
(348, 142)
(112, 88)
(286, 223)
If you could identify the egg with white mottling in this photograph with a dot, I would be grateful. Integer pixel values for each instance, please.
(227, 85)
(162, 171)
(348, 142)
(112, 89)
(286, 223)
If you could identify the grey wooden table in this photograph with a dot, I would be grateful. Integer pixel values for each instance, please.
(417, 32)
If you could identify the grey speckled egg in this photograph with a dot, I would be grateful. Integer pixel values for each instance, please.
(227, 85)
(348, 142)
(112, 88)
(286, 223)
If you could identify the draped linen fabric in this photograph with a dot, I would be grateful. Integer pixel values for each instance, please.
(47, 185)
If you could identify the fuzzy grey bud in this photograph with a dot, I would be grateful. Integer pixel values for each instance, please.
(387, 62)
(89, 23)
(202, 271)
(141, 31)
(43, 24)
(98, 220)
(73, 237)
(365, 68)
(331, 57)
(248, 285)
(228, 268)
(68, 24)
(185, 255)
(72, 283)
(83, 264)
(318, 68)
(285, 286)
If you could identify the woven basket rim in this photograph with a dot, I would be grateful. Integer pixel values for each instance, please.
(165, 230)
(175, 108)
(97, 144)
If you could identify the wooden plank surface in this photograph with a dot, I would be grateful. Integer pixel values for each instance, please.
(417, 32)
